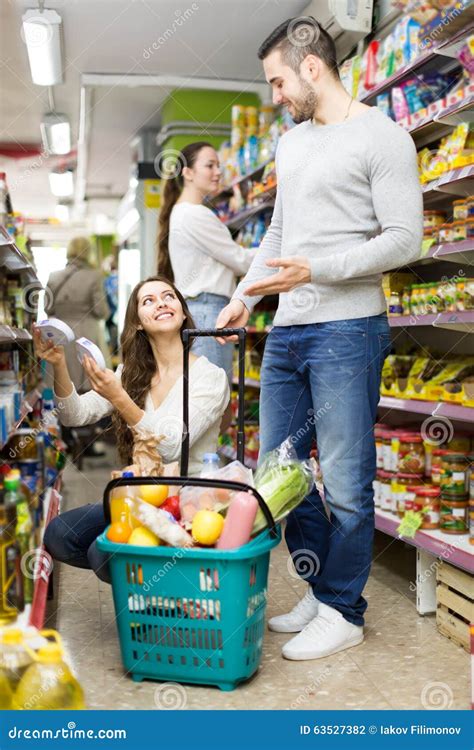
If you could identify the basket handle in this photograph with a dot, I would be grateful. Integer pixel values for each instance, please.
(190, 482)
(188, 335)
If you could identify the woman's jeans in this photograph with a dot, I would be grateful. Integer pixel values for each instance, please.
(71, 538)
(323, 381)
(205, 308)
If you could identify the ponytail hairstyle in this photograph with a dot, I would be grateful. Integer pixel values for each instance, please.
(139, 364)
(174, 183)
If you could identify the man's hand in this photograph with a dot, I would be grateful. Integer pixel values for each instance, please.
(295, 272)
(103, 382)
(234, 315)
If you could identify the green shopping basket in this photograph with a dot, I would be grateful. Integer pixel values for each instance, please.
(192, 615)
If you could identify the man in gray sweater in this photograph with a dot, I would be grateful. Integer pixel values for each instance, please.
(349, 207)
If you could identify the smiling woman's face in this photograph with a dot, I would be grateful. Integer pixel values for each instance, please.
(159, 309)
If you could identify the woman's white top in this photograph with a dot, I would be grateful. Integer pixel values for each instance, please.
(203, 254)
(208, 397)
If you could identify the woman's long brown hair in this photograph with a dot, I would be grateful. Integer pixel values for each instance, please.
(173, 187)
(139, 364)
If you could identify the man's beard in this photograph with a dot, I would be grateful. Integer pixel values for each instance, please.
(306, 105)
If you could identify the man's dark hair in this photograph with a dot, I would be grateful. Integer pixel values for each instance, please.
(299, 37)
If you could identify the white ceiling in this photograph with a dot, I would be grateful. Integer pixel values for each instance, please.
(219, 40)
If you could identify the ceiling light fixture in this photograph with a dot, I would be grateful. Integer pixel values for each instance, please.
(56, 133)
(41, 34)
(61, 183)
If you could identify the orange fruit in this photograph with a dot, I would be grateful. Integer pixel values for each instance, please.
(155, 494)
(119, 532)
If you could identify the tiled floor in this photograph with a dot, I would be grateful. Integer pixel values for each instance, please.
(403, 663)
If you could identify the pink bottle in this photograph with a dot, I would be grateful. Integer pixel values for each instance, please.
(238, 522)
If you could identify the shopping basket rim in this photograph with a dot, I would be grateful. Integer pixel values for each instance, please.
(261, 544)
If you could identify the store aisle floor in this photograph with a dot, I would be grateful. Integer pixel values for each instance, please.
(403, 663)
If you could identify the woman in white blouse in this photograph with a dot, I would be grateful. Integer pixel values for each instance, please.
(145, 393)
(195, 249)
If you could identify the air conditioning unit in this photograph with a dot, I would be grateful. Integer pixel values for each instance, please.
(347, 21)
(351, 21)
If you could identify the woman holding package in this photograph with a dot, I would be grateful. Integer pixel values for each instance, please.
(145, 394)
(196, 250)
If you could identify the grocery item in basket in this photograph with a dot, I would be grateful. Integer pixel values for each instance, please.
(155, 494)
(86, 348)
(207, 527)
(193, 499)
(119, 531)
(142, 537)
(160, 523)
(56, 330)
(239, 521)
(283, 481)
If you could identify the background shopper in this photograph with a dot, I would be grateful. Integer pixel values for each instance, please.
(195, 249)
(348, 207)
(145, 393)
(76, 296)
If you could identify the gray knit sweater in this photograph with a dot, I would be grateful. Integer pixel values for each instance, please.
(349, 199)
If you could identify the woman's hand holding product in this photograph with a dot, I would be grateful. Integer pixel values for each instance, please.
(47, 350)
(103, 382)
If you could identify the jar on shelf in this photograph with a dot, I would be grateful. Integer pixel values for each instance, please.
(454, 511)
(454, 474)
(437, 465)
(414, 289)
(394, 451)
(470, 227)
(378, 432)
(433, 219)
(459, 230)
(469, 294)
(405, 485)
(406, 300)
(394, 304)
(470, 461)
(376, 488)
(385, 490)
(411, 454)
(444, 233)
(470, 206)
(460, 443)
(449, 294)
(427, 501)
(460, 209)
(386, 437)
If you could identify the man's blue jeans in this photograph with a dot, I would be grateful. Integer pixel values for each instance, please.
(323, 380)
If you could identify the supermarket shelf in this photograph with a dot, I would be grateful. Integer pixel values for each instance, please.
(454, 321)
(8, 334)
(455, 412)
(435, 127)
(455, 252)
(445, 48)
(26, 406)
(237, 221)
(455, 549)
(228, 189)
(455, 182)
(12, 259)
(228, 452)
(250, 382)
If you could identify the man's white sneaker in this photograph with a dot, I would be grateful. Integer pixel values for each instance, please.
(301, 614)
(326, 634)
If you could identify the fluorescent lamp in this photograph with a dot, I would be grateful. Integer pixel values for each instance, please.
(56, 133)
(62, 212)
(42, 38)
(61, 183)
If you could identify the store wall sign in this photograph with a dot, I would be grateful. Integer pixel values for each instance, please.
(152, 198)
